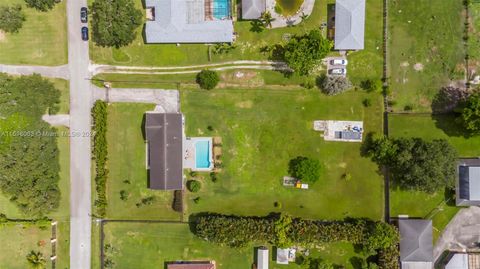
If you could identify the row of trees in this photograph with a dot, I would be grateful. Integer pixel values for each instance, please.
(99, 115)
(414, 163)
(29, 163)
(285, 231)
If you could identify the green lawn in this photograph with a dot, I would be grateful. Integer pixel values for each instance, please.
(262, 130)
(126, 165)
(432, 206)
(474, 34)
(41, 41)
(64, 87)
(425, 36)
(19, 239)
(140, 245)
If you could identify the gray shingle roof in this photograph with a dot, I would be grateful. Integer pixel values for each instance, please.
(416, 241)
(349, 24)
(164, 133)
(253, 9)
(468, 182)
(184, 21)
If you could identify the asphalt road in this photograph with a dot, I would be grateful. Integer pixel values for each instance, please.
(80, 153)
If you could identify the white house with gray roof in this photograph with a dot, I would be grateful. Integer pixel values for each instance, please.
(416, 243)
(188, 21)
(253, 9)
(468, 182)
(349, 24)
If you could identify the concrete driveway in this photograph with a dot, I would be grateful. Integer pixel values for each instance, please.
(330, 66)
(462, 233)
(61, 71)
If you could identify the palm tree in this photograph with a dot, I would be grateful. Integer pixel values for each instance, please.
(267, 19)
(36, 260)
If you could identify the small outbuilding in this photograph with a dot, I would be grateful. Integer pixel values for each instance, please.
(262, 258)
(349, 24)
(416, 243)
(468, 182)
(253, 9)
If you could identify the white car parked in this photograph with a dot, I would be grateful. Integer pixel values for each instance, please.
(338, 71)
(338, 62)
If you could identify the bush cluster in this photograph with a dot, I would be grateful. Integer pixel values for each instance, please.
(11, 18)
(177, 205)
(194, 185)
(99, 114)
(283, 230)
(207, 79)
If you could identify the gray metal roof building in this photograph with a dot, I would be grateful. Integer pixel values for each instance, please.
(468, 182)
(349, 24)
(262, 258)
(253, 9)
(416, 243)
(186, 21)
(164, 133)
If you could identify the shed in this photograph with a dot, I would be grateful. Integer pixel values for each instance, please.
(468, 182)
(262, 258)
(416, 243)
(164, 133)
(253, 9)
(349, 24)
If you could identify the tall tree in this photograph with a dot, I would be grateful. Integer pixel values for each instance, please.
(115, 22)
(303, 53)
(42, 5)
(470, 116)
(11, 18)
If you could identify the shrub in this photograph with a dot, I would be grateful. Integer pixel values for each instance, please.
(213, 177)
(372, 85)
(196, 200)
(306, 169)
(470, 114)
(42, 5)
(177, 205)
(124, 195)
(114, 23)
(367, 102)
(11, 18)
(408, 108)
(99, 114)
(194, 185)
(208, 79)
(308, 83)
(333, 85)
(277, 204)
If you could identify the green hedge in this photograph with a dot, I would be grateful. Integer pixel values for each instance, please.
(99, 115)
(236, 231)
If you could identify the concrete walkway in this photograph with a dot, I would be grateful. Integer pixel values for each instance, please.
(57, 120)
(281, 21)
(46, 71)
(463, 232)
(168, 100)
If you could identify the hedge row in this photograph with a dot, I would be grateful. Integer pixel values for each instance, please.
(99, 115)
(237, 231)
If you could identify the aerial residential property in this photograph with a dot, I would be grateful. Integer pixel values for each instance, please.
(221, 134)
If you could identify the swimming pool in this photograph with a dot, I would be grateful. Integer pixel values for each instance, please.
(221, 9)
(202, 154)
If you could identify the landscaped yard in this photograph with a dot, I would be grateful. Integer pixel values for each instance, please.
(151, 245)
(42, 39)
(432, 206)
(19, 239)
(426, 50)
(262, 130)
(127, 170)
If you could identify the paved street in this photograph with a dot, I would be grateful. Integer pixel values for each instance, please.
(80, 153)
(46, 71)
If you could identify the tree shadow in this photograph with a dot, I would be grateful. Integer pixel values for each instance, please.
(449, 125)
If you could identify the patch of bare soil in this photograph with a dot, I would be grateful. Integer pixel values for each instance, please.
(418, 67)
(244, 104)
(404, 64)
(242, 77)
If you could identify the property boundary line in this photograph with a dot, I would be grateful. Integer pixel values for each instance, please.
(385, 108)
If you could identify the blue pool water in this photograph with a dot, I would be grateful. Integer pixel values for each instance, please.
(221, 9)
(202, 154)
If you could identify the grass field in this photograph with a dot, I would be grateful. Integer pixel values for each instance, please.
(42, 39)
(474, 36)
(262, 130)
(19, 239)
(425, 50)
(432, 206)
(140, 245)
(126, 164)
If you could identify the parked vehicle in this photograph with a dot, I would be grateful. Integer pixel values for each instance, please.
(338, 71)
(84, 33)
(84, 14)
(338, 62)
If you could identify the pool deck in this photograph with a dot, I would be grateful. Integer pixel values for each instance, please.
(189, 153)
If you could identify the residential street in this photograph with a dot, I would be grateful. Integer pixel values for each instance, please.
(80, 104)
(46, 71)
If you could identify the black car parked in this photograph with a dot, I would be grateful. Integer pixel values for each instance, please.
(84, 14)
(84, 33)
